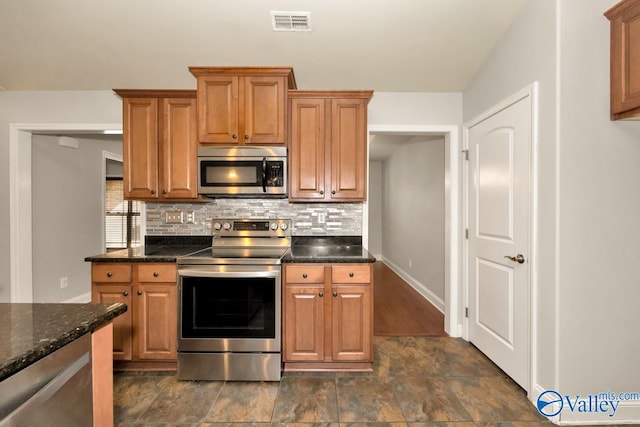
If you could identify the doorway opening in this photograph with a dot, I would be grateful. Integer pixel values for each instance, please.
(447, 301)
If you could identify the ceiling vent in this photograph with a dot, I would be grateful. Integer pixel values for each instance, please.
(291, 21)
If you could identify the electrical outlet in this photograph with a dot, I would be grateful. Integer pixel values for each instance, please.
(321, 217)
(189, 217)
(173, 217)
(64, 282)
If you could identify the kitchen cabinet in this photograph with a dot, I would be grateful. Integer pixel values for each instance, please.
(328, 317)
(147, 332)
(245, 105)
(159, 144)
(625, 59)
(328, 146)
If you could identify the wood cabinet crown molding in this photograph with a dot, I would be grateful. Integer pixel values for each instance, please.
(156, 93)
(625, 60)
(297, 93)
(247, 71)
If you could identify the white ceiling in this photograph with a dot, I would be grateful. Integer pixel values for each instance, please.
(384, 45)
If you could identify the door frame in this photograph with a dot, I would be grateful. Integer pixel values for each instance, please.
(530, 91)
(453, 302)
(20, 209)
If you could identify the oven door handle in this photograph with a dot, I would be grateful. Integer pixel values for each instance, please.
(264, 174)
(214, 274)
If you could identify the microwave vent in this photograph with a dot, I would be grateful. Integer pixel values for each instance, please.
(291, 21)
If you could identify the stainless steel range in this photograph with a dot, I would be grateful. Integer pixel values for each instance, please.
(229, 313)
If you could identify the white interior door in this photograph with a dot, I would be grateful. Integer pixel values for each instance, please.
(499, 237)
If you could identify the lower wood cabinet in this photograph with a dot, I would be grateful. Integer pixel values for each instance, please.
(328, 316)
(146, 335)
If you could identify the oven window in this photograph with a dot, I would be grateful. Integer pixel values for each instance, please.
(228, 307)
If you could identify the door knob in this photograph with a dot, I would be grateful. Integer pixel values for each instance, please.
(518, 258)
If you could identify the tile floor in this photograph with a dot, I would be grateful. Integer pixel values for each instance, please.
(417, 381)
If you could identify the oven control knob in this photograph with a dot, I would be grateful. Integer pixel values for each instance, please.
(283, 226)
(226, 226)
(274, 226)
(217, 226)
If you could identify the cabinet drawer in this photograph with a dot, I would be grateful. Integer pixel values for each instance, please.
(351, 274)
(112, 272)
(304, 274)
(157, 273)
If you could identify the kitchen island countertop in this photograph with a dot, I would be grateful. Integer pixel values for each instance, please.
(30, 332)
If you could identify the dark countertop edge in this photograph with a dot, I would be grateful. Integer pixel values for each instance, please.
(45, 348)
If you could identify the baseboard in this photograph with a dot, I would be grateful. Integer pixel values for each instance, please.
(84, 298)
(415, 284)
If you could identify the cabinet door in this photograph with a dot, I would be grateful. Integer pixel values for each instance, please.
(264, 110)
(156, 321)
(352, 323)
(122, 337)
(625, 62)
(307, 149)
(348, 149)
(140, 147)
(179, 148)
(304, 323)
(218, 109)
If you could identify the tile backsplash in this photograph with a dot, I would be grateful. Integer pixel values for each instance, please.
(340, 219)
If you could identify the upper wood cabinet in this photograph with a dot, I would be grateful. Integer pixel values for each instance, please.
(625, 59)
(328, 145)
(243, 105)
(159, 144)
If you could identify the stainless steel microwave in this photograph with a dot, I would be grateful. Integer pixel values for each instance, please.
(242, 171)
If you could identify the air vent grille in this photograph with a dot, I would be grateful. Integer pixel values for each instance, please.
(291, 21)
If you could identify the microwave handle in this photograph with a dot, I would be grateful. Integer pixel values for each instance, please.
(264, 174)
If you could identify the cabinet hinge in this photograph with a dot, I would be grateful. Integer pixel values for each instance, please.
(466, 312)
(466, 154)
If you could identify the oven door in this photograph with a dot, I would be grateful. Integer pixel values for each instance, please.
(229, 308)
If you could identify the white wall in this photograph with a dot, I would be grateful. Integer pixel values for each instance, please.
(18, 107)
(411, 108)
(413, 181)
(67, 193)
(588, 203)
(599, 215)
(374, 201)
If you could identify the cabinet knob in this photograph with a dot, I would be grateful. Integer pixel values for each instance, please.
(234, 136)
(156, 274)
(321, 294)
(351, 274)
(153, 191)
(164, 191)
(109, 274)
(333, 192)
(321, 192)
(246, 136)
(125, 293)
(139, 292)
(304, 275)
(335, 294)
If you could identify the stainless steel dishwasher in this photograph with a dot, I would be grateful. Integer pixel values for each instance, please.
(54, 391)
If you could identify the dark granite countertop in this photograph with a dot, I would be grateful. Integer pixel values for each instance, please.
(29, 332)
(317, 249)
(156, 249)
(328, 249)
